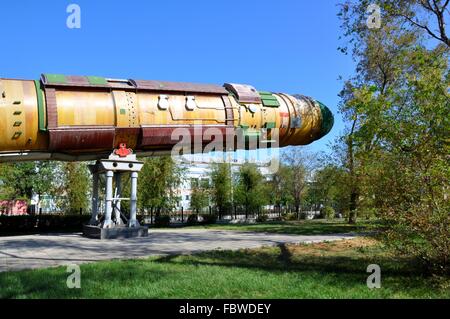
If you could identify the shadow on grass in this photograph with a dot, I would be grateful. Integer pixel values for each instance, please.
(313, 227)
(138, 278)
(348, 270)
(96, 282)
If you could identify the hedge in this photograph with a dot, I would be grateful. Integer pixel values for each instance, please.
(34, 223)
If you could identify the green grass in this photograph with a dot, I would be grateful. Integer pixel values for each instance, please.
(328, 270)
(302, 227)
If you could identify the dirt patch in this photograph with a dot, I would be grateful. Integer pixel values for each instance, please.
(338, 246)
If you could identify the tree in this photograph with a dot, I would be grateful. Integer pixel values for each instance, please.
(25, 179)
(221, 187)
(398, 103)
(278, 186)
(199, 195)
(250, 188)
(296, 178)
(425, 15)
(75, 185)
(158, 184)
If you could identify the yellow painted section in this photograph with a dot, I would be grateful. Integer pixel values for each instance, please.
(78, 108)
(18, 116)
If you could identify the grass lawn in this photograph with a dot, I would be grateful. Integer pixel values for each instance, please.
(301, 227)
(325, 270)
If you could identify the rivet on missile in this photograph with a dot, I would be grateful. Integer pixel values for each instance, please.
(3, 94)
(17, 102)
(17, 123)
(17, 112)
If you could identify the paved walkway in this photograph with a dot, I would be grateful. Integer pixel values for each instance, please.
(48, 250)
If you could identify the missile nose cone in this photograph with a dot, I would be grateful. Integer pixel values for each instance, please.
(327, 120)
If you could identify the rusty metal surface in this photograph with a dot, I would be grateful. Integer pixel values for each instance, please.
(164, 86)
(244, 93)
(127, 135)
(229, 111)
(81, 138)
(162, 135)
(76, 81)
(52, 109)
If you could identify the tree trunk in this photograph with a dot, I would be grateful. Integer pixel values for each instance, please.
(354, 188)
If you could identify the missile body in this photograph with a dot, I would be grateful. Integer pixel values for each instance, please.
(83, 117)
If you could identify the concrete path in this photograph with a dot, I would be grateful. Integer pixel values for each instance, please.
(48, 250)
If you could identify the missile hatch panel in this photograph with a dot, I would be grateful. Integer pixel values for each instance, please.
(244, 93)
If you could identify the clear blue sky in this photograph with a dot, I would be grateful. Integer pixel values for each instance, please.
(280, 45)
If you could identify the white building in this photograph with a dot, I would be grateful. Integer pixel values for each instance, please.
(199, 168)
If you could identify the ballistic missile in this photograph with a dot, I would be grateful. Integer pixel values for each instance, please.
(74, 118)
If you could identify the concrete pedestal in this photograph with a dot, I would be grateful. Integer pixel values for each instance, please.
(114, 232)
(111, 225)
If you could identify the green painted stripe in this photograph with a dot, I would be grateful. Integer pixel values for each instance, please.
(40, 104)
(55, 78)
(270, 125)
(96, 80)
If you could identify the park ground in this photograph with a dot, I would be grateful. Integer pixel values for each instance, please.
(319, 270)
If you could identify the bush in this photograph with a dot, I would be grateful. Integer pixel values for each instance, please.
(24, 223)
(208, 219)
(261, 218)
(62, 222)
(162, 221)
(33, 223)
(192, 219)
(328, 212)
(289, 216)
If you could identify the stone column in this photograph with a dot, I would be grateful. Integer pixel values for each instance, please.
(107, 223)
(94, 214)
(118, 192)
(133, 201)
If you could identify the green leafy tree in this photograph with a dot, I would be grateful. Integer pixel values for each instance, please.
(250, 192)
(24, 179)
(300, 166)
(221, 187)
(277, 186)
(328, 188)
(75, 187)
(158, 184)
(199, 195)
(397, 108)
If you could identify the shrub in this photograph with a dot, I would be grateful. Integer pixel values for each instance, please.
(62, 222)
(33, 223)
(328, 212)
(192, 219)
(162, 221)
(22, 223)
(261, 218)
(289, 216)
(208, 219)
